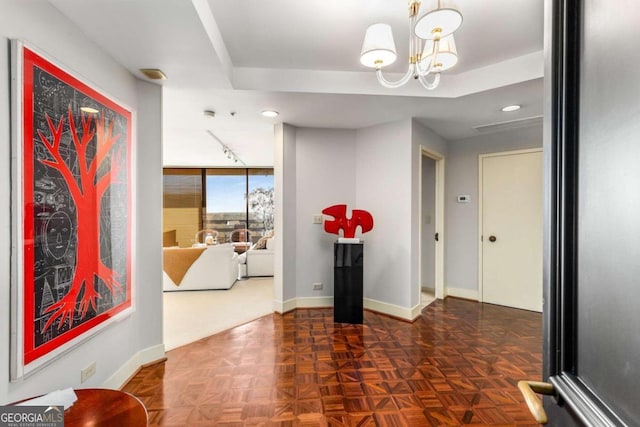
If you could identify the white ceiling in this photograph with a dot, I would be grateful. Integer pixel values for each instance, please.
(301, 58)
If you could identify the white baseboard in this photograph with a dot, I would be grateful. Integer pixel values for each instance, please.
(392, 309)
(471, 294)
(404, 313)
(284, 306)
(416, 311)
(302, 302)
(312, 302)
(144, 356)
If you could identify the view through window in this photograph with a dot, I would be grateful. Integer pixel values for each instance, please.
(235, 203)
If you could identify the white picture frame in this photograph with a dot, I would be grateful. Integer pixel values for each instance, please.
(73, 227)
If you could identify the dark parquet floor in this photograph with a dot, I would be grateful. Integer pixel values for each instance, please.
(458, 364)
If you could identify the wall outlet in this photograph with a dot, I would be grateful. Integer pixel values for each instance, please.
(317, 219)
(317, 286)
(88, 372)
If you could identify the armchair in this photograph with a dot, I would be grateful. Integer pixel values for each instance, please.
(257, 262)
(210, 267)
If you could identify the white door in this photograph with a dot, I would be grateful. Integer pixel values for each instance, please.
(511, 229)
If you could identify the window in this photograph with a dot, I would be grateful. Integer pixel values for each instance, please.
(182, 205)
(260, 201)
(237, 203)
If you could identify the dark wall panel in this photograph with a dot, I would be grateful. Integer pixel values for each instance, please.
(609, 206)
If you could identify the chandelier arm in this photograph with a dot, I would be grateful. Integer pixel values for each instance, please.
(427, 84)
(412, 36)
(419, 46)
(425, 71)
(393, 85)
(434, 54)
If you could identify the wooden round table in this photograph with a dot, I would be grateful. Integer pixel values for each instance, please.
(105, 407)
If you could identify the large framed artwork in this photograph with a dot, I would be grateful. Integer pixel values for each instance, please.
(71, 209)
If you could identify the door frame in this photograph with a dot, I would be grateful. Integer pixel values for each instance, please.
(481, 157)
(439, 220)
(574, 401)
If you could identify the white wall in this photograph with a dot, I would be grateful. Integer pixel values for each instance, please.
(325, 176)
(284, 171)
(428, 219)
(461, 226)
(317, 165)
(45, 28)
(149, 215)
(278, 223)
(383, 187)
(376, 169)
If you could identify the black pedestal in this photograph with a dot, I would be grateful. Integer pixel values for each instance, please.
(347, 282)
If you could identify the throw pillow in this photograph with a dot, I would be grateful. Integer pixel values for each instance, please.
(262, 243)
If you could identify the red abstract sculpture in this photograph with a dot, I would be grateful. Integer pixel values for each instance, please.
(348, 225)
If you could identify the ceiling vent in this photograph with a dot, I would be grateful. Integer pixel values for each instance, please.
(513, 124)
(153, 73)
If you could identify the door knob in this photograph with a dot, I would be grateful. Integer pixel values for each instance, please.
(492, 238)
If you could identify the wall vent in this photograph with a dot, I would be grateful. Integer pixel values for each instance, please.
(513, 124)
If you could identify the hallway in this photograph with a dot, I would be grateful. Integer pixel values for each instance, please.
(457, 364)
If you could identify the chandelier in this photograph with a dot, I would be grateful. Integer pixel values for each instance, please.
(431, 46)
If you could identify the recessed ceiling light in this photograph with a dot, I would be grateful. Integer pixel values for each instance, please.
(508, 108)
(89, 110)
(209, 113)
(270, 113)
(153, 73)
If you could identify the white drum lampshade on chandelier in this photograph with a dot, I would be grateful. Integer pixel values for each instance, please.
(432, 48)
(447, 55)
(378, 49)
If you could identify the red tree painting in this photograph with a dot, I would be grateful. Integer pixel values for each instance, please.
(75, 150)
(87, 192)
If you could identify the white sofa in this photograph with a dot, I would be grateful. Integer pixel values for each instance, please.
(215, 268)
(257, 262)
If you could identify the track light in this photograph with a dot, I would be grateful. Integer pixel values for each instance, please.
(226, 150)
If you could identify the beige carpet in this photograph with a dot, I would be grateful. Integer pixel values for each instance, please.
(192, 315)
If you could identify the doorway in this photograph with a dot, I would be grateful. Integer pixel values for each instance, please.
(510, 225)
(213, 218)
(431, 225)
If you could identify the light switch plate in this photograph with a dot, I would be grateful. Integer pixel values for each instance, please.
(317, 219)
